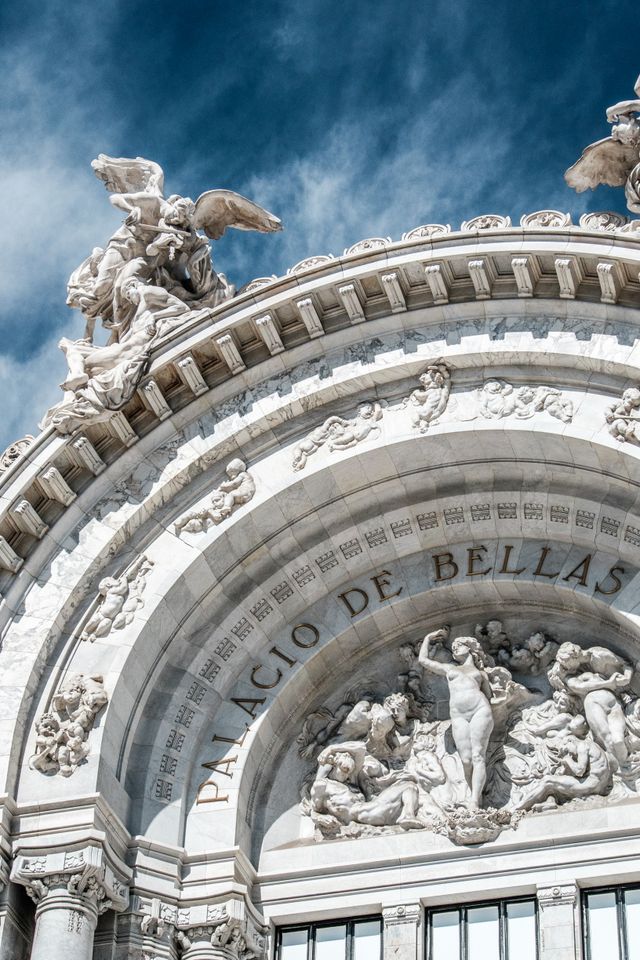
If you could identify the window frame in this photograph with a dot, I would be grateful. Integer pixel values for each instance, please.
(619, 891)
(463, 908)
(313, 926)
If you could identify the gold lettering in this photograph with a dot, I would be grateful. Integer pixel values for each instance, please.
(474, 555)
(617, 582)
(265, 686)
(345, 599)
(216, 764)
(380, 581)
(584, 567)
(442, 560)
(240, 701)
(505, 562)
(305, 626)
(539, 569)
(215, 799)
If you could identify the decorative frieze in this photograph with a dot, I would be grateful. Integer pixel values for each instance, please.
(118, 599)
(338, 433)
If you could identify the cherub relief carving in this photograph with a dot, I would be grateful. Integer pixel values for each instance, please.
(338, 433)
(62, 733)
(236, 490)
(118, 600)
(429, 400)
(498, 399)
(623, 416)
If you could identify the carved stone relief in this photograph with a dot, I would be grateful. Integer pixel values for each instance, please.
(531, 725)
(497, 399)
(14, 452)
(118, 600)
(338, 433)
(623, 416)
(429, 400)
(62, 733)
(237, 489)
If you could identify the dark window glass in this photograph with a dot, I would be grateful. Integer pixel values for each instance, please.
(500, 930)
(344, 940)
(612, 923)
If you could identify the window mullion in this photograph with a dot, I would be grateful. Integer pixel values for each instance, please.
(502, 930)
(622, 923)
(464, 944)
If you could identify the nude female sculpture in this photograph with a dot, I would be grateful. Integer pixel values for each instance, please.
(469, 703)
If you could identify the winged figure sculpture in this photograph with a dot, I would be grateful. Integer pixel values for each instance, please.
(615, 160)
(155, 273)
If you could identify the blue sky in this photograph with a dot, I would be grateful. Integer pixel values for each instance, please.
(347, 119)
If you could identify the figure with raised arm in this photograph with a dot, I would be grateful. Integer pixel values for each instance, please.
(469, 703)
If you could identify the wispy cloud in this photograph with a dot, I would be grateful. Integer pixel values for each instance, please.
(346, 120)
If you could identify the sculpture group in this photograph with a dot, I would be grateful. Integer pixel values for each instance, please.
(531, 724)
(62, 732)
(154, 275)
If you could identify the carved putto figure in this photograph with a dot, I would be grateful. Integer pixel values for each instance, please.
(531, 724)
(623, 416)
(237, 489)
(118, 600)
(430, 399)
(499, 399)
(154, 274)
(615, 160)
(338, 433)
(62, 733)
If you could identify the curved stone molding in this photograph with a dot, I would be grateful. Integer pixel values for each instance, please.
(427, 230)
(372, 243)
(14, 452)
(546, 218)
(310, 262)
(238, 489)
(488, 221)
(338, 433)
(605, 220)
(118, 600)
(62, 733)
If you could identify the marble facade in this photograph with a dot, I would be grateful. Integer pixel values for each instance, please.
(331, 609)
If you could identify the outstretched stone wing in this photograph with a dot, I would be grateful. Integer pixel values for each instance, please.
(606, 161)
(218, 209)
(129, 174)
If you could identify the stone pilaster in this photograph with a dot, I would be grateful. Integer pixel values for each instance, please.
(402, 932)
(70, 891)
(559, 932)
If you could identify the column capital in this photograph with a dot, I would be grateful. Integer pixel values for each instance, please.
(402, 913)
(84, 876)
(223, 931)
(557, 894)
